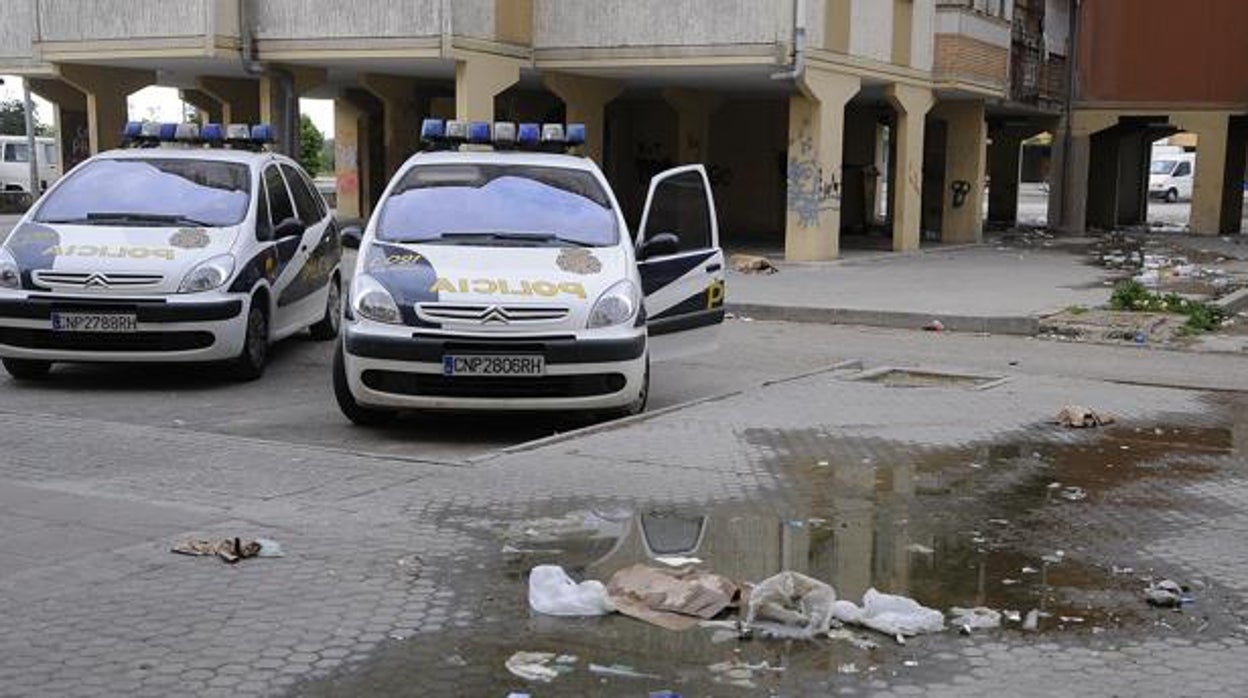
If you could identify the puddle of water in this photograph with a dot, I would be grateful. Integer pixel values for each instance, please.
(981, 525)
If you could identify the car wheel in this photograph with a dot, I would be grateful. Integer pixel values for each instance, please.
(249, 364)
(1172, 195)
(327, 327)
(27, 369)
(354, 411)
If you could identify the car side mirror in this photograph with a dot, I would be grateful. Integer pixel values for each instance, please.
(659, 245)
(352, 236)
(288, 228)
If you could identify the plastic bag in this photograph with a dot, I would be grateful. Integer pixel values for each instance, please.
(898, 615)
(802, 605)
(553, 592)
(978, 618)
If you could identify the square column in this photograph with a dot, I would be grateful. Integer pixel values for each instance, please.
(1004, 165)
(403, 108)
(106, 90)
(1069, 191)
(208, 106)
(1210, 182)
(239, 97)
(816, 142)
(479, 78)
(906, 190)
(276, 110)
(70, 119)
(962, 208)
(585, 100)
(350, 140)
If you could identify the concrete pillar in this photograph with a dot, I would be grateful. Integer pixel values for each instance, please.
(816, 137)
(403, 109)
(1103, 184)
(1134, 154)
(106, 90)
(911, 105)
(962, 215)
(209, 108)
(1004, 161)
(277, 110)
(478, 79)
(1069, 190)
(585, 100)
(1236, 175)
(693, 116)
(69, 106)
(1212, 131)
(239, 98)
(348, 145)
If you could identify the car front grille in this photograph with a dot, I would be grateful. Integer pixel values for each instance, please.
(104, 341)
(434, 385)
(95, 281)
(501, 315)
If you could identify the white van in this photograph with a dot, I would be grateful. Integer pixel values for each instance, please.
(505, 278)
(1171, 174)
(15, 163)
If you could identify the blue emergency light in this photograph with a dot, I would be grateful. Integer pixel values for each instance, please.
(150, 134)
(502, 135)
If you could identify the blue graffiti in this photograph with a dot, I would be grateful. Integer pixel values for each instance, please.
(810, 190)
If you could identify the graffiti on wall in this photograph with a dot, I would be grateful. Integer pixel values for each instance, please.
(811, 189)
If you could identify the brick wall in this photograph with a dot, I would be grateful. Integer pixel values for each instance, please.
(958, 56)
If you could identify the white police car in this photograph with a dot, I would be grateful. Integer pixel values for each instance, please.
(186, 246)
(495, 276)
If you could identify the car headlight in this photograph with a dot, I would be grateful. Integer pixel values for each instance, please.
(371, 300)
(615, 306)
(10, 273)
(208, 274)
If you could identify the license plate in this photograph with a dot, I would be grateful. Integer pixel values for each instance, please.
(520, 365)
(95, 322)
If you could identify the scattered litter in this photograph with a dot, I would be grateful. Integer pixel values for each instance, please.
(1032, 621)
(622, 671)
(999, 522)
(978, 618)
(1077, 417)
(1166, 594)
(935, 326)
(910, 663)
(1055, 558)
(230, 550)
(1012, 616)
(538, 666)
(898, 616)
(455, 660)
(802, 605)
(1009, 582)
(752, 264)
(674, 599)
(1070, 619)
(1073, 493)
(862, 642)
(664, 694)
(1029, 570)
(920, 549)
(677, 560)
(519, 694)
(850, 668)
(738, 673)
(822, 464)
(1122, 570)
(552, 591)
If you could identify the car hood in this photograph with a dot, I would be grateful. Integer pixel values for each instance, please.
(497, 289)
(125, 260)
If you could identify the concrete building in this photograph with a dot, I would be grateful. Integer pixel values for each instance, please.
(825, 123)
(1141, 79)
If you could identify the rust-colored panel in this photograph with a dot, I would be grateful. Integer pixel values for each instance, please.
(1164, 51)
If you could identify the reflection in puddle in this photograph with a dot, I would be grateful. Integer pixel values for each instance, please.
(977, 526)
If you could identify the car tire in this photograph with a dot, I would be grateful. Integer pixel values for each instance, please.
(250, 362)
(1172, 195)
(27, 369)
(327, 327)
(354, 411)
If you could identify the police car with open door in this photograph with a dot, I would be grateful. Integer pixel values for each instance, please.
(498, 273)
(185, 246)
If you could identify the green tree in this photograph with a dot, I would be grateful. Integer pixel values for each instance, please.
(311, 143)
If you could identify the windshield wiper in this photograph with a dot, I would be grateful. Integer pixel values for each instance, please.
(537, 238)
(156, 218)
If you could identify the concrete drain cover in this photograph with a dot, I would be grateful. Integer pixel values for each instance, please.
(926, 378)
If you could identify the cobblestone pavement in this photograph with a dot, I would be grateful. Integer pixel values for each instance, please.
(396, 579)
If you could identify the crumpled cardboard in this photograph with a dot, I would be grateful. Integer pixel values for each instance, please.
(230, 550)
(674, 599)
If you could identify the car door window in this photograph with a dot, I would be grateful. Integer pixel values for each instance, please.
(280, 205)
(306, 199)
(264, 224)
(680, 206)
(1184, 169)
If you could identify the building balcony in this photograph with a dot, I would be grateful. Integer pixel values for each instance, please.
(972, 47)
(118, 30)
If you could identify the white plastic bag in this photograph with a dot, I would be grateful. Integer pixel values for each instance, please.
(552, 591)
(977, 618)
(898, 615)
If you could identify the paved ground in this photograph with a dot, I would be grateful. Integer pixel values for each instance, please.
(395, 575)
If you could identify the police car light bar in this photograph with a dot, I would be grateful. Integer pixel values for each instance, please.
(503, 135)
(150, 134)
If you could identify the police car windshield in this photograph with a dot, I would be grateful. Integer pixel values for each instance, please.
(492, 204)
(155, 192)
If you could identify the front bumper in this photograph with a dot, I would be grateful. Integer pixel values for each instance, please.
(397, 368)
(169, 329)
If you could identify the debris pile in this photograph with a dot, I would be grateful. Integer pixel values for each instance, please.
(229, 550)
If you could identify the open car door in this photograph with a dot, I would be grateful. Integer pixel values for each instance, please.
(681, 264)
